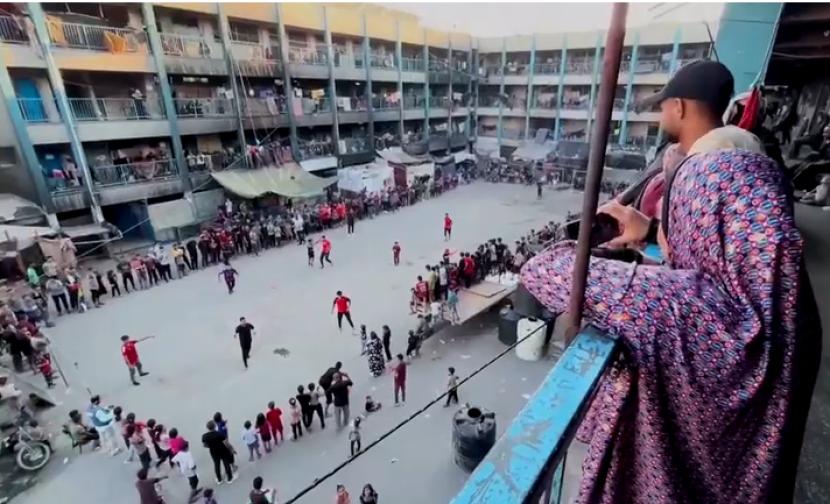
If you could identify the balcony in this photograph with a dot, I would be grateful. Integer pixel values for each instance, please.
(33, 110)
(439, 64)
(133, 173)
(265, 107)
(412, 64)
(413, 102)
(513, 133)
(382, 60)
(551, 68)
(195, 108)
(382, 103)
(115, 109)
(96, 37)
(385, 109)
(581, 66)
(439, 102)
(308, 62)
(13, 30)
(185, 54)
(255, 60)
(488, 132)
(576, 104)
(311, 149)
(354, 145)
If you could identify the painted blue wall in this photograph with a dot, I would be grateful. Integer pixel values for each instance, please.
(744, 40)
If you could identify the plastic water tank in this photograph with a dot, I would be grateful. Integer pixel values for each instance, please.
(508, 320)
(473, 434)
(533, 348)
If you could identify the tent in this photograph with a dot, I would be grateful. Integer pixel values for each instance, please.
(398, 156)
(371, 177)
(289, 180)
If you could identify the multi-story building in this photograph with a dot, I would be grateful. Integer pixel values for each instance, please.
(114, 107)
(550, 81)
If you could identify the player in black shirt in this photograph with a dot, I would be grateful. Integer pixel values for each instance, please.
(244, 332)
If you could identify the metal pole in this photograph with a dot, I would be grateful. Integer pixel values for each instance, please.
(596, 161)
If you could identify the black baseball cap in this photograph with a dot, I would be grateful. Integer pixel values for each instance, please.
(705, 81)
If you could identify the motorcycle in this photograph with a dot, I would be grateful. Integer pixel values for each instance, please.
(31, 455)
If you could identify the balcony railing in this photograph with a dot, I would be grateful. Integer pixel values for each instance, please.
(513, 133)
(204, 107)
(303, 55)
(439, 102)
(316, 106)
(516, 103)
(489, 101)
(575, 104)
(516, 68)
(115, 109)
(382, 60)
(580, 66)
(96, 37)
(439, 64)
(142, 171)
(264, 107)
(354, 145)
(381, 103)
(619, 103)
(13, 30)
(310, 149)
(344, 59)
(487, 70)
(545, 103)
(526, 465)
(33, 110)
(413, 102)
(212, 162)
(412, 64)
(186, 46)
(547, 68)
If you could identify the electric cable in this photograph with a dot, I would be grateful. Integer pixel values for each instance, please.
(317, 481)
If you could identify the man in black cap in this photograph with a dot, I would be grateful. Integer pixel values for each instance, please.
(691, 105)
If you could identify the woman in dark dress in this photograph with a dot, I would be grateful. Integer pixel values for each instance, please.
(375, 350)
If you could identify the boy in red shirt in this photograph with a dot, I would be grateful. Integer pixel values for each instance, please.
(400, 379)
(343, 305)
(274, 418)
(396, 254)
(447, 227)
(130, 353)
(325, 250)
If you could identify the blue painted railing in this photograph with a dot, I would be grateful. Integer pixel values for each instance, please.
(527, 464)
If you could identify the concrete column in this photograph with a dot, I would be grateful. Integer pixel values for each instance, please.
(167, 95)
(399, 59)
(473, 75)
(594, 83)
(25, 146)
(531, 73)
(287, 87)
(335, 128)
(449, 94)
(238, 95)
(368, 64)
(557, 126)
(426, 86)
(675, 52)
(41, 31)
(629, 88)
(501, 92)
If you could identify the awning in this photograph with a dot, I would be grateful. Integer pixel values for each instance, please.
(323, 163)
(462, 156)
(533, 151)
(372, 177)
(289, 180)
(26, 236)
(398, 156)
(14, 208)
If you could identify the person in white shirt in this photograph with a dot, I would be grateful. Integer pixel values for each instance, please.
(187, 466)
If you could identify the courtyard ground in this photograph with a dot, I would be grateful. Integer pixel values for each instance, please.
(196, 368)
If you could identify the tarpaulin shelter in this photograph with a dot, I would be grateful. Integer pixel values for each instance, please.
(289, 180)
(371, 177)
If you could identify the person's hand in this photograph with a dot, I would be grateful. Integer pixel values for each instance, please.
(633, 224)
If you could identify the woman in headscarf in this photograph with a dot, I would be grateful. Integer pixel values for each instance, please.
(374, 348)
(719, 349)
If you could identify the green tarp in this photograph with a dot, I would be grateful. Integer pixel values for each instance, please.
(288, 180)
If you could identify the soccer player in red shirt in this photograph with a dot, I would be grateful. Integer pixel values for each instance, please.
(396, 253)
(325, 250)
(343, 305)
(447, 227)
(130, 353)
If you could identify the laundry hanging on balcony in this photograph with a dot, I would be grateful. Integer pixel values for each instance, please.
(289, 180)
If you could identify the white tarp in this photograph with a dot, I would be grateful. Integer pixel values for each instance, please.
(420, 170)
(532, 151)
(322, 163)
(398, 156)
(462, 156)
(15, 208)
(171, 214)
(372, 177)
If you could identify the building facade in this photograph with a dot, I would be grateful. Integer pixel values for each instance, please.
(113, 107)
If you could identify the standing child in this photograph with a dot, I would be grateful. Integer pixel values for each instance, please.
(363, 339)
(44, 364)
(396, 254)
(229, 274)
(452, 387)
(354, 436)
(264, 432)
(251, 440)
(187, 466)
(310, 249)
(296, 419)
(413, 346)
(274, 417)
(452, 306)
(113, 281)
